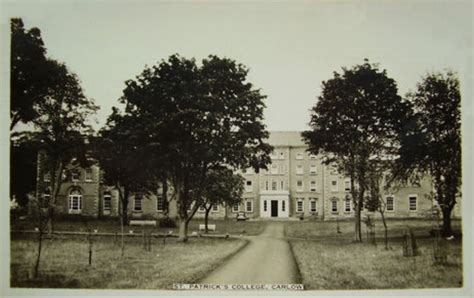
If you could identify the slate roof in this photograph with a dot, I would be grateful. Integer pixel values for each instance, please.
(286, 138)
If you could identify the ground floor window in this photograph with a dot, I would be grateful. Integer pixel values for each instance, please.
(107, 202)
(312, 205)
(299, 206)
(265, 206)
(412, 203)
(75, 201)
(249, 206)
(348, 205)
(334, 206)
(215, 208)
(283, 206)
(389, 202)
(137, 203)
(159, 203)
(235, 208)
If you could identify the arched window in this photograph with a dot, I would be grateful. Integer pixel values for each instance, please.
(75, 201)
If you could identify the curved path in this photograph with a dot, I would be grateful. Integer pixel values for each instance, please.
(267, 259)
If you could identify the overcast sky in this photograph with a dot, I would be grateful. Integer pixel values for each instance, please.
(290, 48)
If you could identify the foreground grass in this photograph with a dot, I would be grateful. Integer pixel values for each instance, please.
(229, 226)
(332, 261)
(65, 263)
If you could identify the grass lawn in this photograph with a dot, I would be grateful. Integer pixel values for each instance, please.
(332, 261)
(64, 262)
(229, 226)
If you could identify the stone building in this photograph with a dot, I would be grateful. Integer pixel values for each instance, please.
(296, 184)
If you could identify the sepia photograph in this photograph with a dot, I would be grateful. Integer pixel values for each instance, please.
(236, 147)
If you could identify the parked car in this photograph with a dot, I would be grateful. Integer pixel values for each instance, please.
(241, 216)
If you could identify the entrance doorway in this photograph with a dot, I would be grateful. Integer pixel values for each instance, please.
(274, 208)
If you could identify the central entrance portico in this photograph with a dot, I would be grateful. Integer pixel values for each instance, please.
(274, 204)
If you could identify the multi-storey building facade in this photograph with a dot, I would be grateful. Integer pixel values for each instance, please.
(296, 184)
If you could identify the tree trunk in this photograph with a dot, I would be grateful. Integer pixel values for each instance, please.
(183, 230)
(125, 208)
(385, 230)
(206, 219)
(38, 256)
(358, 231)
(446, 229)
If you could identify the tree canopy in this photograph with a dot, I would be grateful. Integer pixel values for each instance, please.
(356, 124)
(200, 117)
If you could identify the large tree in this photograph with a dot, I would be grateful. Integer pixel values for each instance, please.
(355, 122)
(222, 187)
(62, 130)
(432, 143)
(201, 117)
(33, 75)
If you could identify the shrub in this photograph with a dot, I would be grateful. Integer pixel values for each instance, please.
(167, 223)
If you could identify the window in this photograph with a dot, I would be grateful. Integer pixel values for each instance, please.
(299, 185)
(299, 170)
(333, 169)
(282, 185)
(47, 177)
(46, 198)
(274, 185)
(75, 201)
(249, 206)
(274, 169)
(137, 203)
(248, 185)
(273, 155)
(312, 205)
(159, 203)
(75, 175)
(107, 201)
(312, 156)
(347, 205)
(334, 206)
(201, 209)
(389, 202)
(312, 186)
(334, 185)
(412, 203)
(299, 206)
(235, 208)
(266, 185)
(347, 185)
(88, 174)
(283, 206)
(215, 208)
(282, 155)
(299, 155)
(265, 206)
(312, 169)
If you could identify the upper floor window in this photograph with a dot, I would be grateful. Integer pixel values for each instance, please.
(312, 169)
(282, 155)
(45, 198)
(235, 208)
(88, 174)
(334, 185)
(248, 186)
(412, 201)
(274, 155)
(47, 177)
(312, 186)
(159, 203)
(75, 174)
(274, 185)
(215, 208)
(347, 185)
(299, 185)
(389, 203)
(299, 170)
(333, 169)
(299, 155)
(312, 156)
(274, 169)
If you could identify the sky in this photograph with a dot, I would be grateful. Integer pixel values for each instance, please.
(289, 47)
